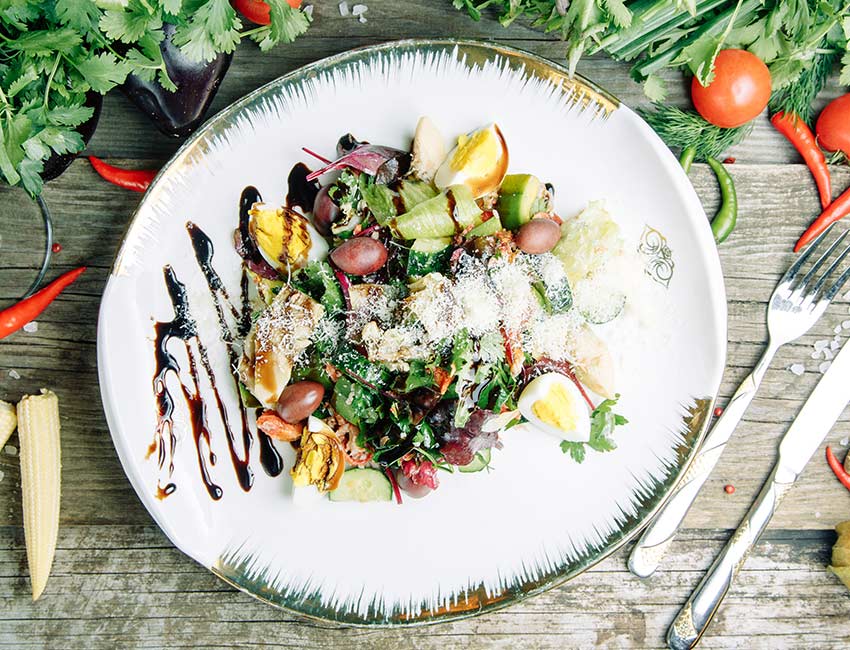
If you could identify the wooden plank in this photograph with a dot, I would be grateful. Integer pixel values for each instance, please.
(125, 585)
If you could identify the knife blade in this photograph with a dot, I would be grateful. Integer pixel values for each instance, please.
(819, 413)
(814, 421)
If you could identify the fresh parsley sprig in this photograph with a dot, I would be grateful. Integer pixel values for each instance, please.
(603, 421)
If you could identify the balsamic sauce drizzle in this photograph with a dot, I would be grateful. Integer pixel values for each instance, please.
(301, 192)
(184, 327)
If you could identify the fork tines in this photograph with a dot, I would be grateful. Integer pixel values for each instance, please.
(815, 293)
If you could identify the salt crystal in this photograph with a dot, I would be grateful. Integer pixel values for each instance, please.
(817, 515)
(820, 345)
(797, 369)
(361, 18)
(828, 354)
(837, 329)
(11, 450)
(834, 345)
(844, 441)
(817, 354)
(822, 368)
(2, 474)
(343, 8)
(359, 10)
(308, 11)
(31, 327)
(14, 374)
(845, 324)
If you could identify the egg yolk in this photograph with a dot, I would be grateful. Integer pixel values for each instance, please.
(282, 236)
(556, 409)
(476, 153)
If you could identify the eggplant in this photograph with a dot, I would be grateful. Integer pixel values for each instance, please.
(178, 113)
(56, 164)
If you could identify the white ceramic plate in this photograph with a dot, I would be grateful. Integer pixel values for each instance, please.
(482, 540)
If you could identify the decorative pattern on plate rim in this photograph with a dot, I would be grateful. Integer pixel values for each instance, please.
(659, 258)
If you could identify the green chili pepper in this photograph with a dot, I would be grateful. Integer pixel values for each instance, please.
(687, 158)
(724, 221)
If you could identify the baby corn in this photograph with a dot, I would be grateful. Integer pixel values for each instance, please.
(8, 421)
(38, 431)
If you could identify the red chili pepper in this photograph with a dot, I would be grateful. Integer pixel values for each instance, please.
(394, 483)
(837, 468)
(836, 211)
(729, 489)
(137, 180)
(800, 135)
(15, 317)
(718, 412)
(56, 248)
(729, 161)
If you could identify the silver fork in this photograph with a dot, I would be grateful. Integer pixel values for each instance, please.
(795, 305)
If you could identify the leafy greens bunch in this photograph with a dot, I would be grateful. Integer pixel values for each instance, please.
(55, 54)
(787, 35)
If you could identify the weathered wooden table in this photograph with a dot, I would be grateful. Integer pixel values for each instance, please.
(118, 583)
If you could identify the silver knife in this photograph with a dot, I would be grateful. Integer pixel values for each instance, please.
(808, 430)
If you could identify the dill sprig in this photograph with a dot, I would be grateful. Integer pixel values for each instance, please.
(797, 97)
(681, 129)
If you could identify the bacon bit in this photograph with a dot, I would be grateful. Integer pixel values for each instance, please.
(442, 379)
(729, 489)
(718, 412)
(333, 373)
(729, 161)
(56, 248)
(276, 427)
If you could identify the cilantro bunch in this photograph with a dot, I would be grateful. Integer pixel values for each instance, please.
(55, 53)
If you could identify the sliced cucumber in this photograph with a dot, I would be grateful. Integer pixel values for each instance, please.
(516, 199)
(248, 399)
(489, 227)
(428, 255)
(415, 192)
(479, 462)
(362, 484)
(442, 216)
(380, 200)
(602, 309)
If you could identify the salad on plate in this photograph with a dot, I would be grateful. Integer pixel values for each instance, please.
(408, 307)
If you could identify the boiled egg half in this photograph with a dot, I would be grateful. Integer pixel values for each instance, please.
(479, 161)
(285, 238)
(553, 404)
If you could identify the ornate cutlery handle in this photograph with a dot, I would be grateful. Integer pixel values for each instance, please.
(694, 617)
(652, 545)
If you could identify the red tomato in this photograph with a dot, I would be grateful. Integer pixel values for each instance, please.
(257, 11)
(739, 91)
(833, 126)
